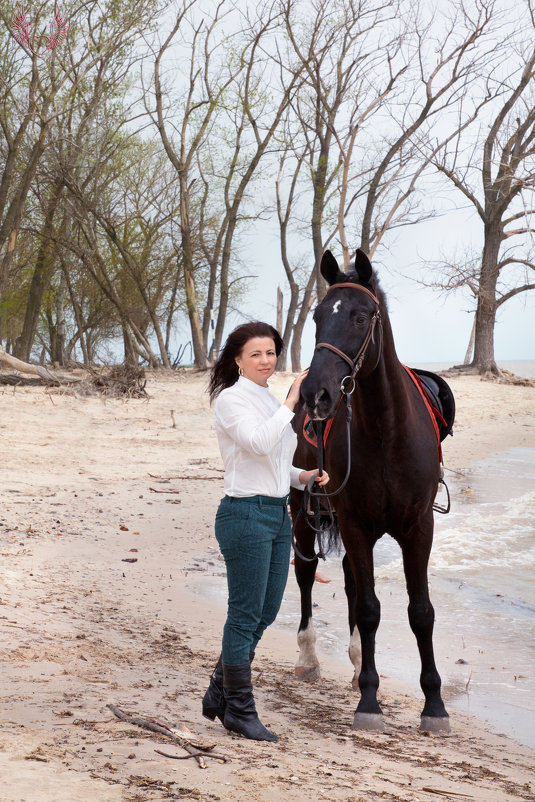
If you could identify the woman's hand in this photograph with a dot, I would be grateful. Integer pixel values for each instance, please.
(306, 476)
(294, 393)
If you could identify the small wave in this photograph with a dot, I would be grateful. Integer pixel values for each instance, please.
(493, 536)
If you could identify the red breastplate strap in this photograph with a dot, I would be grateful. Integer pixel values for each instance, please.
(326, 431)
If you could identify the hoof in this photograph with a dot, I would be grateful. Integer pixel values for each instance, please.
(307, 673)
(435, 724)
(369, 721)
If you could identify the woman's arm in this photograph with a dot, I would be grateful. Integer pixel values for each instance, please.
(239, 420)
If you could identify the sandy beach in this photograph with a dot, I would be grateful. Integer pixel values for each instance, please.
(107, 514)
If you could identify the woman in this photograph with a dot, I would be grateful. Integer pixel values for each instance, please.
(252, 524)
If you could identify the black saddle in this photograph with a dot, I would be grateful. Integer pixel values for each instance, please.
(440, 397)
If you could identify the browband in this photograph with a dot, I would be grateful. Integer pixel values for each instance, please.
(356, 287)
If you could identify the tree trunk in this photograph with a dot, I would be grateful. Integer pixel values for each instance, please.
(130, 356)
(44, 266)
(199, 354)
(308, 300)
(470, 348)
(486, 304)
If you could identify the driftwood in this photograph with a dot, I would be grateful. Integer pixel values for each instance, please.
(25, 367)
(163, 728)
(118, 381)
(121, 380)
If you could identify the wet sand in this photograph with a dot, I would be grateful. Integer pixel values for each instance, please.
(106, 532)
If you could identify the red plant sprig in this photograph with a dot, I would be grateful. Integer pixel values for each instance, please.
(21, 30)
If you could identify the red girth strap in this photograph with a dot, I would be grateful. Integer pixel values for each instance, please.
(433, 412)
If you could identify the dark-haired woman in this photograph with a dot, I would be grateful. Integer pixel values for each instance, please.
(252, 527)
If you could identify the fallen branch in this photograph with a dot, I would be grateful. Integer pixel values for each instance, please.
(25, 367)
(446, 793)
(163, 729)
(187, 757)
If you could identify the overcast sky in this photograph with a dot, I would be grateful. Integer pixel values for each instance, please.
(428, 326)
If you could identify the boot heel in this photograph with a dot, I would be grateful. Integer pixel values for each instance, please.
(213, 703)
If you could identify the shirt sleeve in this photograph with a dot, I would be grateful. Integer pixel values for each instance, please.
(240, 423)
(294, 478)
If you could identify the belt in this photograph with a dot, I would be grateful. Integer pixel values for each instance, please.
(260, 500)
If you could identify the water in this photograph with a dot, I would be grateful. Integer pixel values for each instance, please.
(481, 582)
(520, 367)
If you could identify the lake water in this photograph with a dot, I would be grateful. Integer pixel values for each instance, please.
(481, 582)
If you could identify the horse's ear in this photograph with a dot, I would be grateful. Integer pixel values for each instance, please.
(363, 266)
(329, 267)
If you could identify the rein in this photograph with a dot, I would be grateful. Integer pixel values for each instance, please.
(355, 364)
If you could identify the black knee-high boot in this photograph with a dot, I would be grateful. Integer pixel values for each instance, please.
(240, 711)
(213, 703)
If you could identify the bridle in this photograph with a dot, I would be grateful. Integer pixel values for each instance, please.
(355, 364)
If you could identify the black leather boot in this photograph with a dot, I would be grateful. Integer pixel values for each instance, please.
(213, 703)
(240, 711)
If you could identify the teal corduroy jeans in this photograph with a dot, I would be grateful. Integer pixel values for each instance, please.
(254, 535)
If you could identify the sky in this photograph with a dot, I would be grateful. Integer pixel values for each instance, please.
(428, 327)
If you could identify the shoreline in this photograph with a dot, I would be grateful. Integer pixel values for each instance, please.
(477, 680)
(92, 484)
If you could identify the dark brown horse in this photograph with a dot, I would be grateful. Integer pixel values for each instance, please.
(393, 480)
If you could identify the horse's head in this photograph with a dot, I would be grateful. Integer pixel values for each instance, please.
(348, 337)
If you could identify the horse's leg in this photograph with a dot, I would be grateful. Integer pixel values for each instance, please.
(368, 715)
(416, 553)
(354, 637)
(307, 666)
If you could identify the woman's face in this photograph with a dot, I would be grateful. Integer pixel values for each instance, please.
(258, 359)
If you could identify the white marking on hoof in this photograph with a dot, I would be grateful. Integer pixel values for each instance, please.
(435, 724)
(369, 721)
(307, 667)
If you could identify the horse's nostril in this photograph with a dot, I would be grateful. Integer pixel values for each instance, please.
(322, 397)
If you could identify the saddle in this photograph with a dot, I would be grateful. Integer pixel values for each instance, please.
(440, 398)
(436, 393)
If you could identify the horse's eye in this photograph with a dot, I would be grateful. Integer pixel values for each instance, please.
(360, 319)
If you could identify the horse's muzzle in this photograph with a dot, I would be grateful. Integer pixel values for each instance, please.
(320, 405)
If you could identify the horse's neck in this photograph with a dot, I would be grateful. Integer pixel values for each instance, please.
(384, 387)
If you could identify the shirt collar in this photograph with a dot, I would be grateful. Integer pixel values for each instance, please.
(253, 387)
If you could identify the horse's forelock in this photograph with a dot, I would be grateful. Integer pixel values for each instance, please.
(373, 284)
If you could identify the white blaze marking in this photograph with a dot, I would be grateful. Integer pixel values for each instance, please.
(336, 307)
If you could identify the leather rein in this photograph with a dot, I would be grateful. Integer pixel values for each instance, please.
(355, 364)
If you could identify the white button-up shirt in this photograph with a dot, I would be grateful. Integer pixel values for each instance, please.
(256, 441)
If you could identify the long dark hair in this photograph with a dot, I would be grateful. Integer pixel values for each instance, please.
(225, 371)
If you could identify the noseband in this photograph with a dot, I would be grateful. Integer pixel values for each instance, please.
(356, 363)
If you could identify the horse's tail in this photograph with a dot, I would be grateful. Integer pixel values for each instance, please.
(328, 537)
(321, 518)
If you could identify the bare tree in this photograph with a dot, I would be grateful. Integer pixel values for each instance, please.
(378, 79)
(493, 170)
(218, 134)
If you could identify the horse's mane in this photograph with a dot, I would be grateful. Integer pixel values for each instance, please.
(373, 284)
